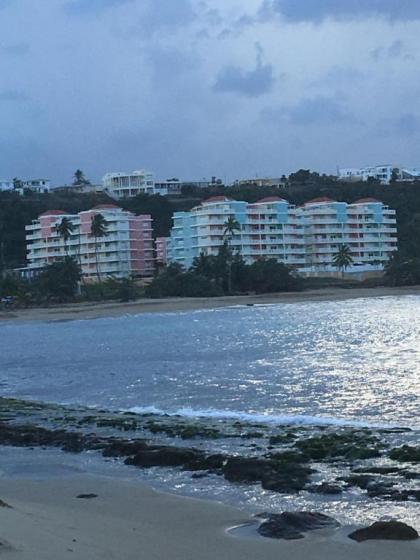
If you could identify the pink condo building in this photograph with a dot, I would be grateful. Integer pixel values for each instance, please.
(125, 250)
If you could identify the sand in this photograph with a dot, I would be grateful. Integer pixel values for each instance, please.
(98, 310)
(129, 521)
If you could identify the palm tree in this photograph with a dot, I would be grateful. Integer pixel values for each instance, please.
(98, 228)
(64, 229)
(231, 226)
(342, 259)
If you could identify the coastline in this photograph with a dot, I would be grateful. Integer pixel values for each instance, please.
(170, 305)
(129, 521)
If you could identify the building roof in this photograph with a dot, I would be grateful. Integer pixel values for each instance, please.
(53, 213)
(216, 199)
(106, 207)
(368, 199)
(271, 199)
(320, 199)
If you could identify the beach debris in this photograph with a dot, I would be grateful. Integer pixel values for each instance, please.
(385, 530)
(87, 496)
(291, 525)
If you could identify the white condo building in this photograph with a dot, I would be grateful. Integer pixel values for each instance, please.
(125, 185)
(35, 185)
(382, 173)
(305, 238)
(126, 249)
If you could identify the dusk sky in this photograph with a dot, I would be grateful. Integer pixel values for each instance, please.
(195, 88)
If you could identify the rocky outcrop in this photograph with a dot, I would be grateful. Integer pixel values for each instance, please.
(292, 525)
(405, 454)
(385, 530)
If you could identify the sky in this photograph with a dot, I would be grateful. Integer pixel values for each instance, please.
(196, 88)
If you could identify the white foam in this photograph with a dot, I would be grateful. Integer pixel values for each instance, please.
(255, 417)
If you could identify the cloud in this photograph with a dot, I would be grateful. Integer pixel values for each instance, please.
(396, 49)
(16, 49)
(318, 110)
(319, 10)
(92, 7)
(250, 83)
(166, 13)
(407, 124)
(11, 95)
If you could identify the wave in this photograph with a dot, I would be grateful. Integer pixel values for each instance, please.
(259, 418)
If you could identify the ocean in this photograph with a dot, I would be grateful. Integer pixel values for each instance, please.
(323, 364)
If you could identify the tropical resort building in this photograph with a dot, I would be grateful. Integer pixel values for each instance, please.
(161, 246)
(126, 248)
(306, 238)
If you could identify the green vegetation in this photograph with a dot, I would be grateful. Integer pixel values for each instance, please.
(98, 229)
(223, 274)
(343, 259)
(402, 271)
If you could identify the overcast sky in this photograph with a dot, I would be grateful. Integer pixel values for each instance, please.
(194, 88)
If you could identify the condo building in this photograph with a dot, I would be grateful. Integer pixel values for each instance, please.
(305, 238)
(382, 173)
(125, 250)
(125, 185)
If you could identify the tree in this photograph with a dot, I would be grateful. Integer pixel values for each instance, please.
(79, 178)
(269, 275)
(342, 259)
(231, 227)
(402, 271)
(59, 280)
(64, 229)
(98, 228)
(17, 183)
(394, 175)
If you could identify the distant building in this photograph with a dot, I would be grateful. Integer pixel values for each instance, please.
(161, 244)
(306, 238)
(127, 248)
(6, 185)
(168, 187)
(16, 185)
(125, 185)
(382, 173)
(262, 182)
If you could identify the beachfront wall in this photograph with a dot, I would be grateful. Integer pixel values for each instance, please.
(126, 249)
(305, 238)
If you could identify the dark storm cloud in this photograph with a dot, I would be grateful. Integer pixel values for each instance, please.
(318, 10)
(86, 7)
(250, 83)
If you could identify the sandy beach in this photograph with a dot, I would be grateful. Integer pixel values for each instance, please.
(113, 309)
(128, 521)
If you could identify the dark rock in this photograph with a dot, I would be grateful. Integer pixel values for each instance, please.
(349, 445)
(406, 453)
(359, 480)
(291, 525)
(326, 488)
(4, 505)
(243, 469)
(87, 496)
(385, 530)
(168, 457)
(124, 448)
(288, 480)
(376, 470)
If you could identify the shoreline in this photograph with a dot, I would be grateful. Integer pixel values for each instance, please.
(69, 312)
(129, 521)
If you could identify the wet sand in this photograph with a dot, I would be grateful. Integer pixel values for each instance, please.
(128, 521)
